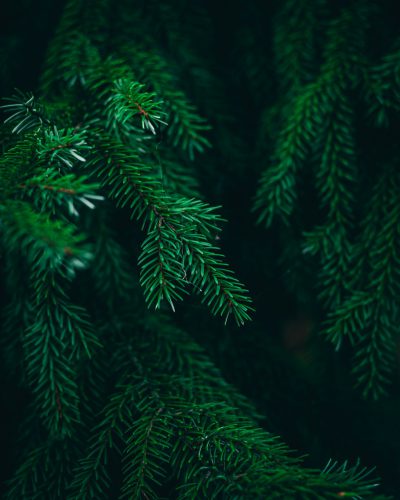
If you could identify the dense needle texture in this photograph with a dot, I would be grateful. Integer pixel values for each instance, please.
(126, 322)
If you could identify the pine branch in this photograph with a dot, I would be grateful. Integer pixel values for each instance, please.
(62, 147)
(215, 449)
(176, 227)
(15, 165)
(277, 193)
(202, 381)
(73, 50)
(186, 128)
(91, 478)
(129, 100)
(306, 115)
(140, 412)
(29, 478)
(59, 332)
(27, 113)
(161, 273)
(172, 425)
(375, 357)
(296, 27)
(336, 178)
(368, 316)
(221, 290)
(49, 192)
(382, 87)
(238, 460)
(146, 447)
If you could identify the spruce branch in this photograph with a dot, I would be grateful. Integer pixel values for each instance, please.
(186, 128)
(161, 267)
(176, 229)
(58, 332)
(91, 479)
(296, 29)
(375, 358)
(277, 191)
(147, 446)
(41, 473)
(75, 46)
(307, 112)
(15, 165)
(62, 147)
(368, 316)
(51, 192)
(221, 290)
(27, 112)
(382, 87)
(129, 100)
(149, 413)
(241, 460)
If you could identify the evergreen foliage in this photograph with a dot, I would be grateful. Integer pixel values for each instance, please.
(317, 138)
(99, 170)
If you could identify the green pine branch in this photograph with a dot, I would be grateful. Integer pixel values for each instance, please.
(60, 332)
(307, 112)
(368, 315)
(176, 235)
(186, 128)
